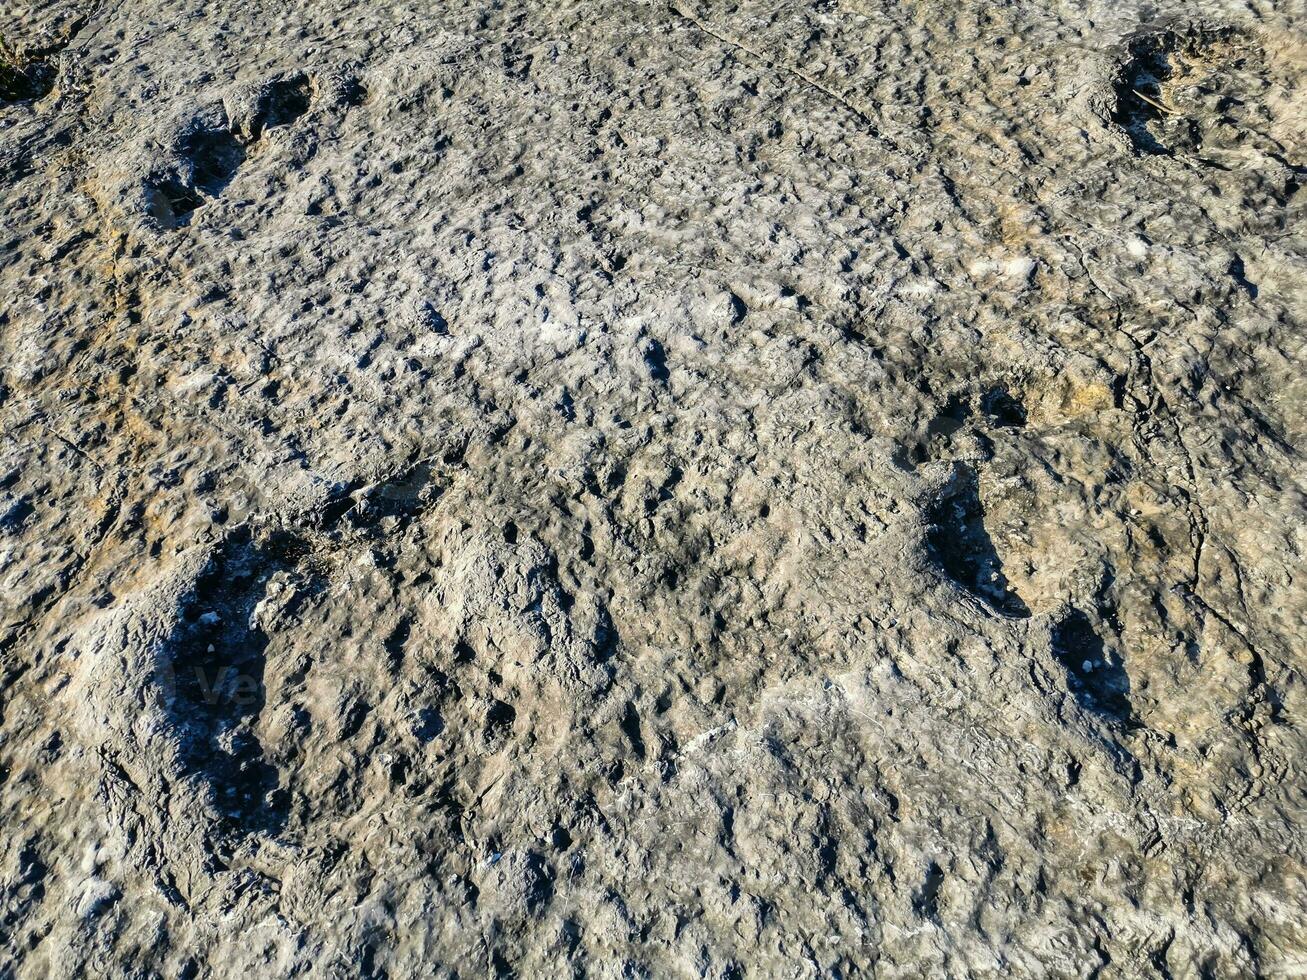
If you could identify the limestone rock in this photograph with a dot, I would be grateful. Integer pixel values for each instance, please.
(783, 488)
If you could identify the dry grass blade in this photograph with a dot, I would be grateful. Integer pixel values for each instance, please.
(1155, 104)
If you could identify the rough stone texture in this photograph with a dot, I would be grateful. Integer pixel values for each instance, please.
(761, 489)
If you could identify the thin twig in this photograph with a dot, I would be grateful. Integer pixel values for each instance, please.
(1156, 105)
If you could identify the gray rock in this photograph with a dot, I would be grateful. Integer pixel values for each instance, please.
(774, 489)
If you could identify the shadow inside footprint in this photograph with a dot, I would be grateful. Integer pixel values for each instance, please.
(215, 677)
(1097, 680)
(1138, 89)
(212, 157)
(24, 82)
(964, 550)
(1004, 410)
(282, 103)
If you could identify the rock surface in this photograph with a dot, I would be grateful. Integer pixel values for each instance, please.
(626, 489)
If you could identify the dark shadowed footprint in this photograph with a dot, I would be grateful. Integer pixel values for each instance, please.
(281, 104)
(1207, 93)
(24, 81)
(212, 157)
(1097, 680)
(215, 681)
(962, 547)
(1003, 409)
